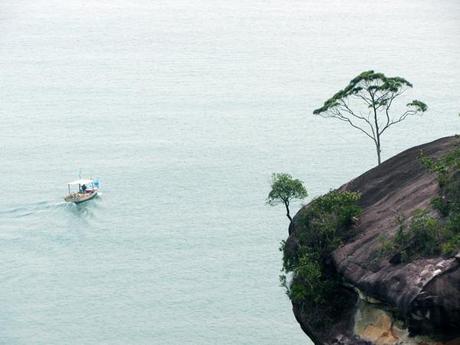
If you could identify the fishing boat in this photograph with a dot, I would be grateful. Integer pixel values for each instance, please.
(87, 190)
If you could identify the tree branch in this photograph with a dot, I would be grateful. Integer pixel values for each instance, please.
(401, 118)
(348, 110)
(339, 116)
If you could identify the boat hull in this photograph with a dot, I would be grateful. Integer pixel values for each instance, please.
(78, 198)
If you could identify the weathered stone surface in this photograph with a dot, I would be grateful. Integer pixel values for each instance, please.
(425, 292)
(378, 326)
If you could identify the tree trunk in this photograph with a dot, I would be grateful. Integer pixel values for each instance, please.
(377, 130)
(287, 211)
(379, 160)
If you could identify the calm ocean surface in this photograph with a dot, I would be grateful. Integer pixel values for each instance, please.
(184, 109)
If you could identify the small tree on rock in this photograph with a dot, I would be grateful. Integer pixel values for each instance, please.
(365, 104)
(284, 190)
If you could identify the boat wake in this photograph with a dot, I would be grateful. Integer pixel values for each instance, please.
(33, 208)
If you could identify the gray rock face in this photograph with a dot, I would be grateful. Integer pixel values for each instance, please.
(425, 292)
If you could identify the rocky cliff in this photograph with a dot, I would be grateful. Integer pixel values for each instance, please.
(383, 300)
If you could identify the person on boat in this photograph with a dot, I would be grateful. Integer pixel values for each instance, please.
(83, 188)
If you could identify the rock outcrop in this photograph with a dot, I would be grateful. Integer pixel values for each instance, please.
(387, 302)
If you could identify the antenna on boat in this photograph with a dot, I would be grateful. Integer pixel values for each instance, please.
(79, 174)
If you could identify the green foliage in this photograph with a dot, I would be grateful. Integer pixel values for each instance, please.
(441, 205)
(321, 229)
(443, 167)
(327, 221)
(284, 189)
(308, 281)
(418, 106)
(447, 169)
(425, 235)
(451, 247)
(370, 83)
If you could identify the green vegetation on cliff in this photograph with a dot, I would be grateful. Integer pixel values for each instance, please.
(427, 235)
(321, 228)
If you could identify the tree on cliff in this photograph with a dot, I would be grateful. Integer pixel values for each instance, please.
(365, 104)
(284, 190)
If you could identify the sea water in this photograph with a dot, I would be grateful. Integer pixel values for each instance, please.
(184, 109)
